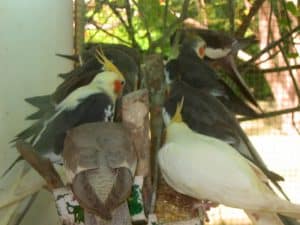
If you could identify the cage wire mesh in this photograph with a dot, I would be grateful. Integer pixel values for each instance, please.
(276, 139)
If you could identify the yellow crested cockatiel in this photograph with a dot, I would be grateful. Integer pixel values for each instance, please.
(204, 167)
(100, 162)
(92, 102)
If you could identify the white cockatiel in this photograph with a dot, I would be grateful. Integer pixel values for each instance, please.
(203, 167)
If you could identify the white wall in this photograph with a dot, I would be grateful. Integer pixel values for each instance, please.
(31, 32)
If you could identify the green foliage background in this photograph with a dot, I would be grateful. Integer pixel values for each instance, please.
(148, 24)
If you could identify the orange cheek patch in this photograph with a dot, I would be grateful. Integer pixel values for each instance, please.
(118, 86)
(201, 52)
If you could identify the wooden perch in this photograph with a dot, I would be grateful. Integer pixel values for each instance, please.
(43, 166)
(153, 221)
(120, 217)
(195, 221)
(153, 71)
(135, 116)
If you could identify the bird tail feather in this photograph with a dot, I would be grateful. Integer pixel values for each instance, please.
(263, 218)
(287, 208)
(243, 43)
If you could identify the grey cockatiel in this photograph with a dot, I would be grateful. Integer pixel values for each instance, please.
(91, 102)
(100, 163)
(216, 47)
(190, 67)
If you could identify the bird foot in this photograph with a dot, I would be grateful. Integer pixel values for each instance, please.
(203, 206)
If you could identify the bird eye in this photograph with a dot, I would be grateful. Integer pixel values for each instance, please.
(122, 82)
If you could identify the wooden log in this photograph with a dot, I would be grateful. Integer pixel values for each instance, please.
(152, 220)
(42, 165)
(135, 117)
(120, 216)
(194, 221)
(154, 80)
(168, 204)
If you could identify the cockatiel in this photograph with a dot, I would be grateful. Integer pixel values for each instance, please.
(126, 60)
(205, 114)
(190, 68)
(203, 167)
(219, 49)
(100, 163)
(122, 56)
(89, 103)
(218, 44)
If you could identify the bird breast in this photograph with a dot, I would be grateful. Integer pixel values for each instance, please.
(205, 168)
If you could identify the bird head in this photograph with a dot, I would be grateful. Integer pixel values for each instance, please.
(177, 118)
(175, 126)
(111, 75)
(107, 64)
(111, 82)
(196, 43)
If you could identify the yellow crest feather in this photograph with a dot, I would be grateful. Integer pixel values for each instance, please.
(177, 116)
(107, 64)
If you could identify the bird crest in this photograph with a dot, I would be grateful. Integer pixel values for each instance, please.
(177, 116)
(107, 64)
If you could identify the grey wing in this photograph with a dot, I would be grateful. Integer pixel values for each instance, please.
(119, 148)
(85, 191)
(104, 188)
(94, 108)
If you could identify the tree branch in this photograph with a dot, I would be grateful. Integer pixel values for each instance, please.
(270, 114)
(154, 81)
(168, 32)
(273, 44)
(43, 166)
(270, 56)
(165, 16)
(246, 21)
(79, 18)
(290, 72)
(276, 69)
(117, 13)
(130, 26)
(108, 33)
(144, 20)
(231, 10)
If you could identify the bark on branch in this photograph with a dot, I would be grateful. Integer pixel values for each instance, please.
(271, 114)
(43, 166)
(247, 20)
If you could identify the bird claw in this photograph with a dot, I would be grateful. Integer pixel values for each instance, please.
(203, 215)
(203, 206)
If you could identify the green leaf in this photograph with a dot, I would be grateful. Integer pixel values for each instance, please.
(292, 55)
(292, 8)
